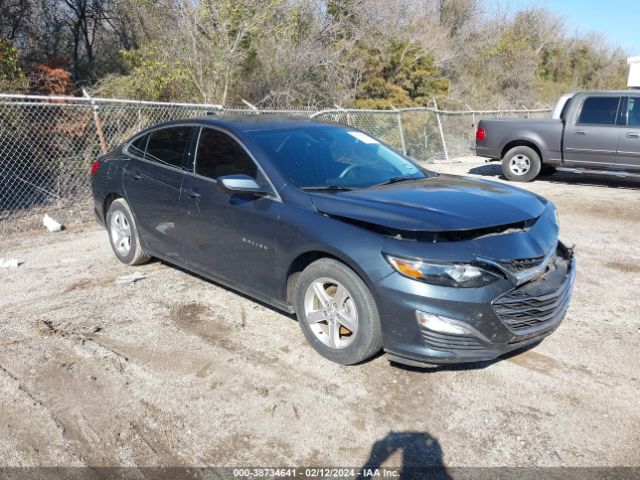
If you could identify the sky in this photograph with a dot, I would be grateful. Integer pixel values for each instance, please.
(618, 20)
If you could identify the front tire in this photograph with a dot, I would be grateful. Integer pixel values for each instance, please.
(123, 234)
(337, 312)
(521, 164)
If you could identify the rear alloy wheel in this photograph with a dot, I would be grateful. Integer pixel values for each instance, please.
(123, 234)
(337, 312)
(521, 164)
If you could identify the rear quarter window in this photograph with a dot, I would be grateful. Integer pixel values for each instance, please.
(138, 146)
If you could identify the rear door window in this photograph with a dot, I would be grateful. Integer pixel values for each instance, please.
(218, 155)
(633, 112)
(167, 145)
(599, 111)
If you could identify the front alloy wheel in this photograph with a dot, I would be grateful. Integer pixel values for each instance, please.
(331, 313)
(337, 312)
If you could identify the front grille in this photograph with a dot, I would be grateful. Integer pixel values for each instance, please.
(441, 341)
(522, 311)
(522, 264)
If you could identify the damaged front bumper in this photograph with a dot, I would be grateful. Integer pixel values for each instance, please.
(426, 324)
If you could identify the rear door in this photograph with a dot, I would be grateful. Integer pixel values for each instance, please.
(628, 157)
(229, 235)
(152, 182)
(591, 137)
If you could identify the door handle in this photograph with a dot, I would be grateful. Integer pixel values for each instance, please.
(633, 135)
(580, 132)
(191, 193)
(134, 176)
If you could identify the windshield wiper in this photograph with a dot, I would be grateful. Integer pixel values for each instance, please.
(394, 180)
(328, 188)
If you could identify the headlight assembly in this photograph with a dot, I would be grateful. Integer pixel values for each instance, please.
(461, 275)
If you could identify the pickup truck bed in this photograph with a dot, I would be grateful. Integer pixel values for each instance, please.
(596, 131)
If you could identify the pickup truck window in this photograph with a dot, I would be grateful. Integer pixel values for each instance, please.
(633, 112)
(599, 111)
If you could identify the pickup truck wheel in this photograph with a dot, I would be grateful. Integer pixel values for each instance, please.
(521, 164)
(337, 312)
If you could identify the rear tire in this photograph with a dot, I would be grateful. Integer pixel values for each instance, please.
(337, 312)
(123, 234)
(521, 164)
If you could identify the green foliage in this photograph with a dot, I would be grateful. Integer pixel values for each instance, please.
(283, 53)
(579, 66)
(400, 75)
(527, 60)
(12, 78)
(148, 77)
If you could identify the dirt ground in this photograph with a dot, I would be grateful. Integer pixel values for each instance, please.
(178, 371)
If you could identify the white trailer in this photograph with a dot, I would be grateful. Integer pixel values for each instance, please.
(634, 72)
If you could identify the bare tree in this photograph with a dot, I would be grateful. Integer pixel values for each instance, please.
(215, 38)
(14, 16)
(85, 19)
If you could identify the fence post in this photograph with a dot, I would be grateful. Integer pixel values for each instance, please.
(96, 120)
(404, 146)
(425, 134)
(444, 142)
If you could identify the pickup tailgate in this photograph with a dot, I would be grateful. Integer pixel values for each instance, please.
(544, 134)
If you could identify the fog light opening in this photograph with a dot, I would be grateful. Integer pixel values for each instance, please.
(440, 324)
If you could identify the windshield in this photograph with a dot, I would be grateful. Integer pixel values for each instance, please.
(334, 158)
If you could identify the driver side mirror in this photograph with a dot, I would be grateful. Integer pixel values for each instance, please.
(241, 184)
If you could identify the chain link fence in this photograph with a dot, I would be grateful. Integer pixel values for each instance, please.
(47, 144)
(425, 134)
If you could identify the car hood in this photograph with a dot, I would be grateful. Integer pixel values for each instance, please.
(437, 204)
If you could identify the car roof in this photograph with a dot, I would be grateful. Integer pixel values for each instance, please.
(251, 122)
(608, 92)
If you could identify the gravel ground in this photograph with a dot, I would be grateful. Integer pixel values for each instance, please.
(178, 371)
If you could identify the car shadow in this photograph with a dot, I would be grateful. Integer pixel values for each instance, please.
(291, 316)
(567, 178)
(421, 457)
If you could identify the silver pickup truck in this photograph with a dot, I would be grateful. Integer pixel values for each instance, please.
(596, 131)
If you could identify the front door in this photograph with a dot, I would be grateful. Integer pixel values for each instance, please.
(228, 235)
(591, 141)
(628, 157)
(152, 182)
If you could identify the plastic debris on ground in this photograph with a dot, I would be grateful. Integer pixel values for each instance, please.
(51, 224)
(131, 278)
(10, 263)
